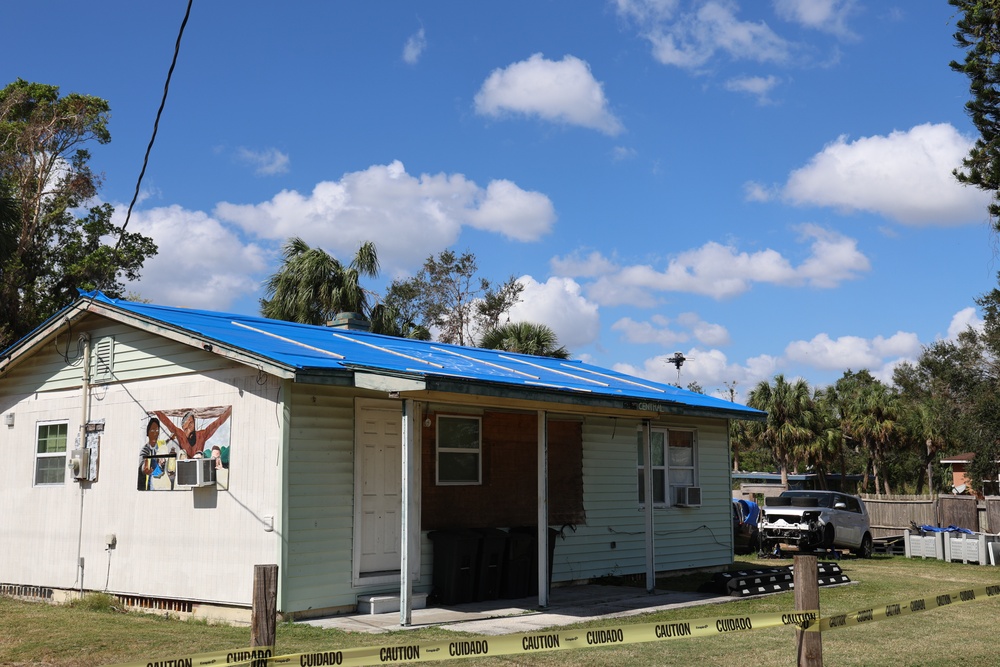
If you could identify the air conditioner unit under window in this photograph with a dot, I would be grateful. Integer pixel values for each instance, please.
(195, 472)
(688, 496)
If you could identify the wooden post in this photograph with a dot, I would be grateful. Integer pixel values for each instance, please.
(808, 644)
(264, 615)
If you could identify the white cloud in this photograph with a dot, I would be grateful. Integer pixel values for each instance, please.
(562, 91)
(657, 331)
(410, 217)
(704, 332)
(414, 47)
(267, 162)
(713, 371)
(200, 263)
(513, 212)
(758, 86)
(660, 330)
(558, 304)
(721, 271)
(824, 15)
(962, 320)
(646, 11)
(710, 368)
(575, 266)
(757, 192)
(905, 176)
(621, 153)
(691, 39)
(852, 352)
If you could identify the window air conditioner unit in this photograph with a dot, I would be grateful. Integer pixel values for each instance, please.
(688, 496)
(195, 472)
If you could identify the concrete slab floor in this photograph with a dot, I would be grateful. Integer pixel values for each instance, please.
(567, 605)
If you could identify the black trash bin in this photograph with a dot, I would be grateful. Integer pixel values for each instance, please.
(456, 555)
(489, 577)
(521, 574)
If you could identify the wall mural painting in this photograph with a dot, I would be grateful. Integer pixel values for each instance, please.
(186, 433)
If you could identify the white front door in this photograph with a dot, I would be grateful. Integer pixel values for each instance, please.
(379, 483)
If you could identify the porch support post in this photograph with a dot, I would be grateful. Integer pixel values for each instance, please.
(407, 514)
(543, 510)
(647, 479)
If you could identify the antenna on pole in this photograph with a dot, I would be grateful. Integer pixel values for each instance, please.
(677, 360)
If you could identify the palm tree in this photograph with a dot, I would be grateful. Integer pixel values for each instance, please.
(870, 415)
(526, 338)
(789, 424)
(827, 444)
(311, 286)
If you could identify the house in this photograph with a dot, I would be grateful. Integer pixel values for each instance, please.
(160, 453)
(758, 485)
(959, 474)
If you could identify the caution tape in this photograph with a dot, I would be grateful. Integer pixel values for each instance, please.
(899, 609)
(512, 644)
(539, 642)
(244, 656)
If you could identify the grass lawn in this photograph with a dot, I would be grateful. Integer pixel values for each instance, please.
(966, 634)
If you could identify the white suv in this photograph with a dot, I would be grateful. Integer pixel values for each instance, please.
(816, 520)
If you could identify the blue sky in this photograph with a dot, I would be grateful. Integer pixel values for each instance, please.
(763, 186)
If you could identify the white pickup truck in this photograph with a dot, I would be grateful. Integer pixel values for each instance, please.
(813, 520)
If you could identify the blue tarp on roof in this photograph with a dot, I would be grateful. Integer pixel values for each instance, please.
(309, 350)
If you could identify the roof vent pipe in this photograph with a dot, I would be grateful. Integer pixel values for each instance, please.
(350, 321)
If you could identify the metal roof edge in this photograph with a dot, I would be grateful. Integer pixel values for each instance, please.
(40, 335)
(639, 406)
(108, 308)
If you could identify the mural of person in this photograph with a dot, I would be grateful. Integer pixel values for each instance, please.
(157, 460)
(217, 457)
(189, 437)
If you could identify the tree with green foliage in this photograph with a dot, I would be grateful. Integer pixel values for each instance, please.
(954, 390)
(979, 34)
(526, 338)
(790, 420)
(46, 251)
(932, 414)
(870, 413)
(826, 449)
(447, 296)
(386, 319)
(311, 286)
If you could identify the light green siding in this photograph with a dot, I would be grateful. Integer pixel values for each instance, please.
(320, 512)
(613, 540)
(137, 355)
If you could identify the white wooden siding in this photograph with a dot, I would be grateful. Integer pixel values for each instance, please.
(320, 513)
(685, 537)
(320, 499)
(198, 545)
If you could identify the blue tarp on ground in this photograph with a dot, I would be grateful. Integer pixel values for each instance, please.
(949, 529)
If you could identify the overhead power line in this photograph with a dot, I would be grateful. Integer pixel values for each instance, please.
(156, 123)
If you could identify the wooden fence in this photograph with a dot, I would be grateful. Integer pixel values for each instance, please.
(891, 515)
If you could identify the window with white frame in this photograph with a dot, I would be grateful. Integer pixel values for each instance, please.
(50, 453)
(673, 464)
(459, 450)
